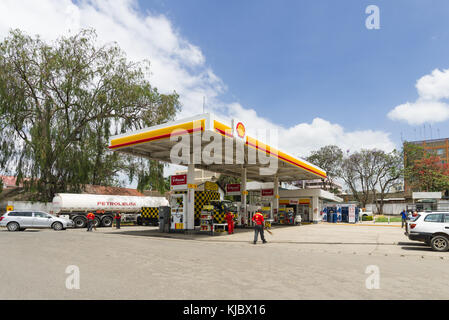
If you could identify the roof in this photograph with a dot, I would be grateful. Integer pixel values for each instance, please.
(157, 142)
(10, 182)
(93, 189)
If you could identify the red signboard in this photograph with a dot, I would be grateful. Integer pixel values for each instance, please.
(267, 192)
(179, 179)
(233, 189)
(178, 182)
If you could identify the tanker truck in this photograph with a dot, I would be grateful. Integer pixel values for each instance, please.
(76, 206)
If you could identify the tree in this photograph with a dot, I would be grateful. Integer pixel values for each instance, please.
(371, 173)
(428, 174)
(60, 102)
(223, 180)
(357, 172)
(330, 159)
(389, 171)
(424, 170)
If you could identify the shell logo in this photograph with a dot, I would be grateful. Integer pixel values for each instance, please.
(240, 129)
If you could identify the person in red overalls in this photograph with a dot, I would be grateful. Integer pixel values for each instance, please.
(90, 221)
(258, 228)
(118, 219)
(230, 221)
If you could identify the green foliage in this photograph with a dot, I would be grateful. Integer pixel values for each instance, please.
(59, 104)
(371, 174)
(223, 180)
(385, 219)
(329, 158)
(424, 171)
(367, 218)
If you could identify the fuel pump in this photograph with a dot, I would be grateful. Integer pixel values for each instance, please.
(178, 210)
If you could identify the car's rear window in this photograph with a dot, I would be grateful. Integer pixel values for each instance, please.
(415, 217)
(20, 214)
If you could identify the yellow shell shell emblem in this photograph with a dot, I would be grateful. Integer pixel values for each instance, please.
(240, 130)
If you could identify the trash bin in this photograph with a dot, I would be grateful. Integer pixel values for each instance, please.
(330, 214)
(164, 218)
(344, 214)
(334, 217)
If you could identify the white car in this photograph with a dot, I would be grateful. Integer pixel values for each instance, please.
(431, 228)
(20, 220)
(365, 213)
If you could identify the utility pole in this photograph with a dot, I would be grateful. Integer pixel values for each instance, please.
(204, 103)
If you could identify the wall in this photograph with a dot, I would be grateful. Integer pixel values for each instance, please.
(389, 208)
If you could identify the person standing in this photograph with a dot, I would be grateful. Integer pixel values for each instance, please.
(258, 228)
(118, 219)
(404, 218)
(230, 221)
(90, 221)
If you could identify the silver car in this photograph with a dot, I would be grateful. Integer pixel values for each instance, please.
(20, 220)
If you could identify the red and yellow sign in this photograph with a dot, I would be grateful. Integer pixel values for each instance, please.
(240, 128)
(157, 134)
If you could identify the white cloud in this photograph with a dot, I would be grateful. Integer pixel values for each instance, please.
(429, 107)
(303, 138)
(176, 64)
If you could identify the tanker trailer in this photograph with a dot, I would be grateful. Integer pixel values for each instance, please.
(76, 206)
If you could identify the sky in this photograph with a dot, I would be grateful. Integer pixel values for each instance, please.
(310, 69)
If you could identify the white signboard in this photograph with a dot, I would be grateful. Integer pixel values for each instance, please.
(351, 213)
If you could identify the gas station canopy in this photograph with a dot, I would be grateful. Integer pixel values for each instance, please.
(157, 142)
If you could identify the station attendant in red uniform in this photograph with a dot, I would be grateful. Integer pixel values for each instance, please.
(230, 221)
(118, 218)
(258, 228)
(90, 221)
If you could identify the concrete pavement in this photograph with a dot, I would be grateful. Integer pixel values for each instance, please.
(321, 261)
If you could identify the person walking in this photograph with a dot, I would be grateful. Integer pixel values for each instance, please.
(118, 219)
(404, 218)
(230, 221)
(90, 221)
(258, 228)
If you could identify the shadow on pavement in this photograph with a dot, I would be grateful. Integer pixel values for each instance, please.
(422, 248)
(415, 244)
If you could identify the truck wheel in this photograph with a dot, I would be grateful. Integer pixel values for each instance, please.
(139, 221)
(440, 243)
(57, 226)
(13, 226)
(106, 221)
(97, 222)
(80, 222)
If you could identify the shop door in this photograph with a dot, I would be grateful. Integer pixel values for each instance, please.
(303, 210)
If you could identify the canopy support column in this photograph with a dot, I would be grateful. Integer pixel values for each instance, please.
(275, 208)
(315, 209)
(243, 208)
(190, 207)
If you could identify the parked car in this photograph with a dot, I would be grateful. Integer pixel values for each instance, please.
(366, 213)
(431, 228)
(20, 220)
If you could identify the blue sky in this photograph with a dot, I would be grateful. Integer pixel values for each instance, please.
(293, 61)
(309, 69)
